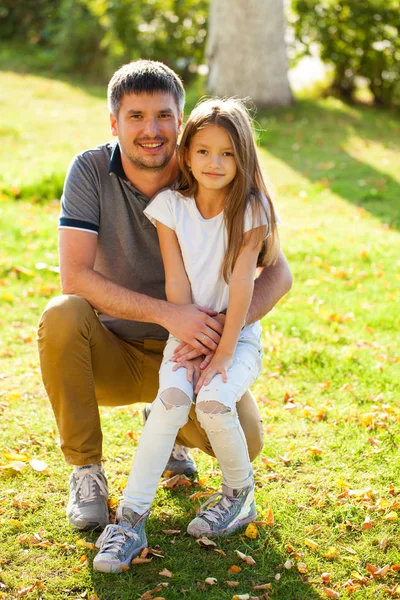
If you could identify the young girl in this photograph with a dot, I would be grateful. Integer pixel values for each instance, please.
(214, 230)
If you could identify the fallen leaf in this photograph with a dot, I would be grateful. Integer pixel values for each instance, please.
(263, 586)
(311, 544)
(176, 481)
(270, 517)
(326, 577)
(220, 551)
(210, 580)
(38, 465)
(302, 568)
(331, 593)
(314, 450)
(392, 516)
(251, 531)
(288, 564)
(140, 561)
(172, 531)
(17, 456)
(204, 542)
(85, 544)
(242, 597)
(232, 583)
(368, 524)
(234, 569)
(166, 573)
(247, 559)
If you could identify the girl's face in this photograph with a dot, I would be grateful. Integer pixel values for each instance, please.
(211, 159)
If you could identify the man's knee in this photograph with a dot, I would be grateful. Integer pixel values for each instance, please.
(62, 317)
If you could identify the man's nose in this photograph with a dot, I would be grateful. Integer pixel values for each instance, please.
(151, 127)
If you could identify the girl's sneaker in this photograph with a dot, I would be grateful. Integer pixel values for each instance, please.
(231, 510)
(121, 541)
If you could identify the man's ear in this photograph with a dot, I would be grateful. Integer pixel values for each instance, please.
(180, 122)
(113, 124)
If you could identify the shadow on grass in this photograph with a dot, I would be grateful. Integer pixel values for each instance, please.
(311, 138)
(191, 564)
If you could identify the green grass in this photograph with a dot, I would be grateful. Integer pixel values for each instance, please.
(328, 392)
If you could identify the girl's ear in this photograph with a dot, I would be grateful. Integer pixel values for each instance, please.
(187, 157)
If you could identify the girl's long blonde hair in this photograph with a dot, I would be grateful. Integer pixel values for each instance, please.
(248, 186)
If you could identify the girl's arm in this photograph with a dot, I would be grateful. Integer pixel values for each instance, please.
(241, 286)
(177, 286)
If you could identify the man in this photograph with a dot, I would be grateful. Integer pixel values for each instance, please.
(101, 342)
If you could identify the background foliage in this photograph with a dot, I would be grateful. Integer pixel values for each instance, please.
(360, 38)
(93, 37)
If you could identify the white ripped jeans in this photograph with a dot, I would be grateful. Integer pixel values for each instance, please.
(216, 411)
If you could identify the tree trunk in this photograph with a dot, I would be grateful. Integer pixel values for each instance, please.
(246, 51)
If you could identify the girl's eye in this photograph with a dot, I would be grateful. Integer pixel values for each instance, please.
(202, 151)
(228, 153)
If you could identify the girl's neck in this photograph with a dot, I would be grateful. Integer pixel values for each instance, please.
(210, 202)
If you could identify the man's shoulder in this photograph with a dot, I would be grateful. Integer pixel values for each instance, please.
(99, 154)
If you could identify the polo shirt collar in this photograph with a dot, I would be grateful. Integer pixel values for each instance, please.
(115, 164)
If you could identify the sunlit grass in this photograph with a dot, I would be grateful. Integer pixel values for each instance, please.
(328, 391)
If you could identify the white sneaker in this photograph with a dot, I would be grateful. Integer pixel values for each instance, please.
(88, 498)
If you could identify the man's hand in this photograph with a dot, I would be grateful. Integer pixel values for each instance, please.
(192, 369)
(194, 325)
(219, 364)
(185, 352)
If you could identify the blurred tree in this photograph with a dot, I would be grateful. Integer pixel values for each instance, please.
(358, 37)
(246, 51)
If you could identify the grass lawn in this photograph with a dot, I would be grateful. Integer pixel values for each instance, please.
(328, 492)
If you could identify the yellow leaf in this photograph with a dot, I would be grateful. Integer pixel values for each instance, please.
(85, 544)
(392, 516)
(16, 523)
(311, 544)
(16, 456)
(251, 531)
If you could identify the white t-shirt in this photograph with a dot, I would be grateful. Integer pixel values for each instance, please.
(203, 244)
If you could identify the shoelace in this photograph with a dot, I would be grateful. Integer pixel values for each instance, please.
(180, 452)
(86, 486)
(114, 537)
(219, 509)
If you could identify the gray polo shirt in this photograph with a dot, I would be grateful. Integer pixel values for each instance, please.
(99, 198)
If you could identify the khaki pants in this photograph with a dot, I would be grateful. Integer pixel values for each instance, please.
(85, 365)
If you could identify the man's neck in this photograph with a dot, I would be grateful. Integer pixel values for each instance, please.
(147, 181)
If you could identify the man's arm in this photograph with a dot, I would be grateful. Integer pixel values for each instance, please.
(271, 285)
(77, 251)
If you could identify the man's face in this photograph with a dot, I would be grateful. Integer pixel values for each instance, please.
(147, 127)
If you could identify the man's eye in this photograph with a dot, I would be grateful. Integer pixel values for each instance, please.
(165, 116)
(136, 117)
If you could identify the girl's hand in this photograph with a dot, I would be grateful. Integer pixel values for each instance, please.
(217, 365)
(192, 369)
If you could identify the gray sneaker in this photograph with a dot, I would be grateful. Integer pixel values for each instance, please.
(231, 510)
(180, 462)
(121, 541)
(88, 498)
